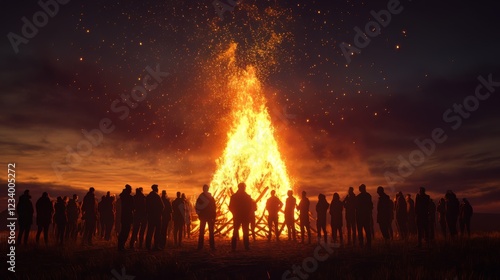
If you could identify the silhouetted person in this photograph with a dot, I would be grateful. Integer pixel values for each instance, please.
(100, 216)
(178, 217)
(401, 215)
(372, 225)
(364, 208)
(60, 219)
(336, 207)
(54, 225)
(290, 205)
(166, 217)
(432, 220)
(154, 210)
(24, 217)
(441, 210)
(466, 212)
(350, 215)
(140, 219)
(206, 210)
(44, 211)
(384, 213)
(305, 224)
(422, 215)
(241, 206)
(391, 231)
(89, 215)
(273, 206)
(321, 209)
(187, 216)
(108, 215)
(410, 209)
(73, 213)
(127, 210)
(118, 220)
(252, 219)
(452, 211)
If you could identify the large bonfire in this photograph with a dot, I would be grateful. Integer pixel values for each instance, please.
(251, 154)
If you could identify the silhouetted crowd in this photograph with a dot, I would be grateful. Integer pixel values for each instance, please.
(149, 219)
(135, 217)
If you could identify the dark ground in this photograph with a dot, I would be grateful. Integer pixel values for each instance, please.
(475, 258)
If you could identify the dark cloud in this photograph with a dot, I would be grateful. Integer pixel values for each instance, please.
(349, 125)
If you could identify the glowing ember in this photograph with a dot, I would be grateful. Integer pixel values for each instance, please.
(251, 154)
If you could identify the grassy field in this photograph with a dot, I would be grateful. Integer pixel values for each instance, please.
(474, 258)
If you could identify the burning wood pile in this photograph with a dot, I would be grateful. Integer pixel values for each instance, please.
(251, 154)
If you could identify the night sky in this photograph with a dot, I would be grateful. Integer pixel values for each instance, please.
(338, 124)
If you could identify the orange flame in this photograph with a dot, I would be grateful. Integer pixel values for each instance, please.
(251, 154)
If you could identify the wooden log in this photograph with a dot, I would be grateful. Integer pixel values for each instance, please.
(261, 195)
